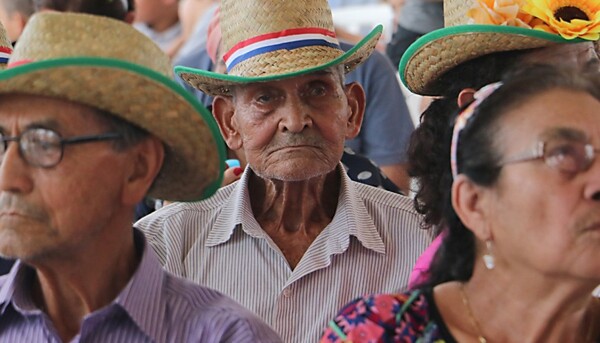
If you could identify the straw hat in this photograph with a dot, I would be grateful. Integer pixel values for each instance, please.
(5, 47)
(474, 28)
(107, 64)
(266, 40)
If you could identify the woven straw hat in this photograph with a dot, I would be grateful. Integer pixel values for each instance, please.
(463, 38)
(5, 47)
(266, 40)
(107, 64)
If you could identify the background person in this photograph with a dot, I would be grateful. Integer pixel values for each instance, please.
(14, 15)
(159, 20)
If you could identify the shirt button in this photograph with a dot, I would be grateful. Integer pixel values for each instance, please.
(287, 293)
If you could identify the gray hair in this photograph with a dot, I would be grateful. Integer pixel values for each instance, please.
(131, 133)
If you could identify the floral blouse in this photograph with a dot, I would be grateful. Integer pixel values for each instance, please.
(403, 317)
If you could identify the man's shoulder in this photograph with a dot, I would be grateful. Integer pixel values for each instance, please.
(199, 306)
(193, 298)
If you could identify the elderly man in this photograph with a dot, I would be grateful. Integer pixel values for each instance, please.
(295, 237)
(87, 130)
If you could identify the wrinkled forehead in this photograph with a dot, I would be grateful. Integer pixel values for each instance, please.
(569, 55)
(25, 110)
(556, 113)
(333, 74)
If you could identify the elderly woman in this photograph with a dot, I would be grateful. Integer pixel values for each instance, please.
(523, 214)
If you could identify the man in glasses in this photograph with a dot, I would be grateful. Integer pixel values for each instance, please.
(86, 131)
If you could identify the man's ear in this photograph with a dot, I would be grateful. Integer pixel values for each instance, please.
(224, 113)
(465, 96)
(356, 108)
(147, 158)
(470, 202)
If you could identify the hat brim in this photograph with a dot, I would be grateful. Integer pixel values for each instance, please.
(192, 169)
(437, 52)
(219, 84)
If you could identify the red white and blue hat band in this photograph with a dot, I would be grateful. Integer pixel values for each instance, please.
(284, 40)
(5, 54)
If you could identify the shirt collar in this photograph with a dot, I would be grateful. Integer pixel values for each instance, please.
(355, 219)
(351, 211)
(15, 289)
(236, 210)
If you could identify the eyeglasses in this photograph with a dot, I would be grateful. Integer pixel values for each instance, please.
(44, 148)
(564, 155)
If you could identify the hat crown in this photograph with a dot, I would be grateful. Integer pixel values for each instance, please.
(245, 19)
(52, 35)
(270, 37)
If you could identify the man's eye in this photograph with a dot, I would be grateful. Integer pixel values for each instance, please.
(264, 98)
(317, 91)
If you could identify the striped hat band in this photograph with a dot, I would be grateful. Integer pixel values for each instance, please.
(289, 39)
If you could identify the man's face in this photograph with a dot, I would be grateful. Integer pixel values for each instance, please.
(55, 211)
(546, 220)
(293, 129)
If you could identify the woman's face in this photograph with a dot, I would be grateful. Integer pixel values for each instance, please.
(541, 219)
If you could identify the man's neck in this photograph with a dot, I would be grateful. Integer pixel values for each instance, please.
(294, 213)
(68, 288)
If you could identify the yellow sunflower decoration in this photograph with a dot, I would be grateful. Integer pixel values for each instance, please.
(569, 18)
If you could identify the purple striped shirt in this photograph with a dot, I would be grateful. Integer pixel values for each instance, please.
(155, 306)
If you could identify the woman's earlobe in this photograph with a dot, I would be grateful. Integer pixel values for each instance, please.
(469, 203)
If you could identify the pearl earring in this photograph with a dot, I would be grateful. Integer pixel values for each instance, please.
(488, 257)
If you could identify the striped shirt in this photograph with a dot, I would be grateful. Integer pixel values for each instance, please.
(370, 246)
(154, 307)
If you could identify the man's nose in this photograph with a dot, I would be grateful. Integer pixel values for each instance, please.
(295, 115)
(592, 186)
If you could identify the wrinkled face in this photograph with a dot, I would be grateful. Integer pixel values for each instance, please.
(543, 219)
(294, 129)
(54, 211)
